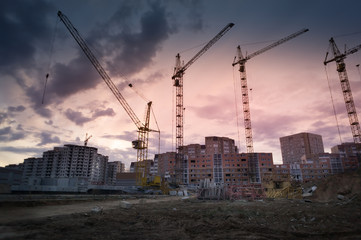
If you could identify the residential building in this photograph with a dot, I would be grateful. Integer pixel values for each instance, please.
(294, 147)
(166, 164)
(319, 166)
(63, 167)
(349, 149)
(112, 170)
(217, 160)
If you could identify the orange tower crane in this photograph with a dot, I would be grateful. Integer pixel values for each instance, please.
(179, 71)
(253, 164)
(141, 144)
(339, 58)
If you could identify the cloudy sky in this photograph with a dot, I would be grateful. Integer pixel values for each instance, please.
(137, 41)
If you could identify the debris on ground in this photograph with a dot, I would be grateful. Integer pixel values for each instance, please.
(332, 212)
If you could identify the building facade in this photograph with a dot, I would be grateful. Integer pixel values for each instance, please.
(217, 160)
(318, 166)
(299, 145)
(349, 149)
(70, 165)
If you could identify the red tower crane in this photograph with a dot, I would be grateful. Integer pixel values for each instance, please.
(339, 58)
(179, 71)
(245, 99)
(141, 144)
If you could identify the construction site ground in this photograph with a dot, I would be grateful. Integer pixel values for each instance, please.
(332, 212)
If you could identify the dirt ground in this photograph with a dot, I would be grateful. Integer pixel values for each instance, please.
(333, 212)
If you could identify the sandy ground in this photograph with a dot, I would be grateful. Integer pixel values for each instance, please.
(31, 210)
(324, 216)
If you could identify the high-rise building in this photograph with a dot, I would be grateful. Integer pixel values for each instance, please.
(299, 145)
(70, 161)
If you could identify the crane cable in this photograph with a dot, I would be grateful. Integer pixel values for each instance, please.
(236, 105)
(191, 48)
(333, 105)
(173, 97)
(155, 120)
(50, 58)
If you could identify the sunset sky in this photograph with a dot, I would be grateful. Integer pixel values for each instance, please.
(137, 41)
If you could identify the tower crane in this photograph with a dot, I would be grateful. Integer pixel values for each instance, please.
(339, 58)
(245, 100)
(87, 139)
(179, 71)
(141, 144)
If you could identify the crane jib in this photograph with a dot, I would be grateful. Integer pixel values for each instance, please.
(203, 50)
(74, 32)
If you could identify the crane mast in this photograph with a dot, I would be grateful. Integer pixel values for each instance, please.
(345, 86)
(179, 71)
(253, 163)
(141, 144)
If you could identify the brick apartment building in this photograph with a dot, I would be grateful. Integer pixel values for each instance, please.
(294, 147)
(218, 160)
(348, 149)
(319, 166)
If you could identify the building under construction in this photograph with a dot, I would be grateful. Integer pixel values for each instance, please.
(219, 161)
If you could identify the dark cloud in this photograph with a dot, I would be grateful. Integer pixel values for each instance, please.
(7, 134)
(27, 34)
(133, 48)
(3, 117)
(5, 131)
(24, 26)
(17, 136)
(19, 108)
(77, 117)
(22, 150)
(46, 138)
(107, 112)
(35, 95)
(71, 78)
(194, 15)
(28, 30)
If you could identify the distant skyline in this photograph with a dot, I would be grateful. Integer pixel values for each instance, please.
(137, 41)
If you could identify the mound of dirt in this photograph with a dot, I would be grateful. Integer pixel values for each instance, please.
(345, 186)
